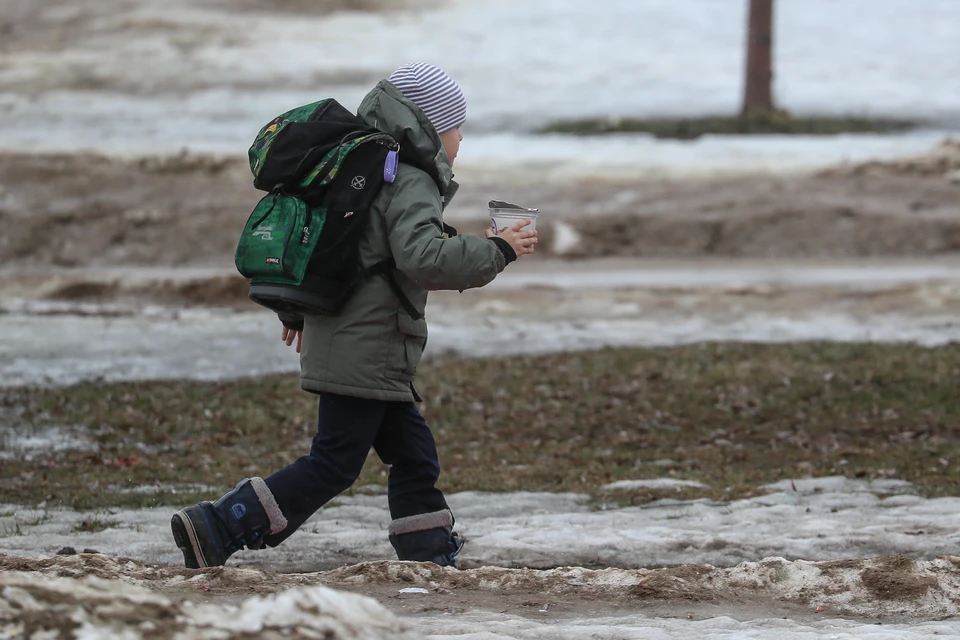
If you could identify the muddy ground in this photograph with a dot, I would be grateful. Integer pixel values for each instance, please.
(91, 211)
(81, 212)
(84, 213)
(881, 589)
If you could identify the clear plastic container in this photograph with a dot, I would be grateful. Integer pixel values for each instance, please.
(504, 214)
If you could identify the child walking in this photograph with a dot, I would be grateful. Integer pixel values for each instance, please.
(362, 362)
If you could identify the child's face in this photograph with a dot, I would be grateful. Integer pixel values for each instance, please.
(451, 143)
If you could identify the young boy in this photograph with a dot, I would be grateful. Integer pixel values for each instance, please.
(362, 362)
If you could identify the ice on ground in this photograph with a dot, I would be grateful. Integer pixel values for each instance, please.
(23, 443)
(641, 157)
(613, 273)
(810, 519)
(813, 557)
(635, 57)
(197, 344)
(541, 308)
(150, 77)
(480, 625)
(213, 345)
(655, 483)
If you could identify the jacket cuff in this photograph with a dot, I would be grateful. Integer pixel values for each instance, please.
(508, 253)
(291, 321)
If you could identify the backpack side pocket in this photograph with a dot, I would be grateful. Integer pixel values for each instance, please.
(278, 240)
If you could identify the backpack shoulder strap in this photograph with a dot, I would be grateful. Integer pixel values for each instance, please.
(385, 268)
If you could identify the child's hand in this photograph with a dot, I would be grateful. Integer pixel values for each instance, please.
(522, 242)
(288, 335)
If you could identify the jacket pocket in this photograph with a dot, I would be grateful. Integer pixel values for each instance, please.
(407, 348)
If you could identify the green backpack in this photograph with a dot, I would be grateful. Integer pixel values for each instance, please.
(321, 167)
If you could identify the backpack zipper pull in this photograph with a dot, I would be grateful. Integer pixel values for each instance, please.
(305, 234)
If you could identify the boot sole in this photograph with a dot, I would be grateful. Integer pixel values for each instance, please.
(186, 538)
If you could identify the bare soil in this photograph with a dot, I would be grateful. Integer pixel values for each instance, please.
(92, 211)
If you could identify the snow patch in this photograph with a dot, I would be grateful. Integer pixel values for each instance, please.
(565, 238)
(93, 607)
(655, 483)
(25, 442)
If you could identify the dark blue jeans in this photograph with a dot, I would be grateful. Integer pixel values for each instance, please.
(346, 429)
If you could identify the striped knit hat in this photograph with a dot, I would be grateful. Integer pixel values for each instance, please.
(437, 95)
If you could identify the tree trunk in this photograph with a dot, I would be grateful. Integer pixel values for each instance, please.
(758, 91)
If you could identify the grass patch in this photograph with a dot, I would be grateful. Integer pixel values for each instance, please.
(692, 128)
(93, 524)
(732, 416)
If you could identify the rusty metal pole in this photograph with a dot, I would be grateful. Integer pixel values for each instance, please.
(758, 91)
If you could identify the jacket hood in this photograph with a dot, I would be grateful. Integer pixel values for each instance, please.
(388, 110)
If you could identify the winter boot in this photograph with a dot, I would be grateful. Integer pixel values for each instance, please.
(210, 532)
(428, 537)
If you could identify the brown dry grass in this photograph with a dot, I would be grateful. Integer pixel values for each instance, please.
(731, 416)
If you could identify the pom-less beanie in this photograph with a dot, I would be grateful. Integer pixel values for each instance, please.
(437, 95)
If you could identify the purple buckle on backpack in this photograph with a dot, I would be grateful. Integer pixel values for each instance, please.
(390, 166)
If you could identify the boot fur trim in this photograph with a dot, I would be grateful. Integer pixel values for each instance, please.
(422, 522)
(277, 522)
